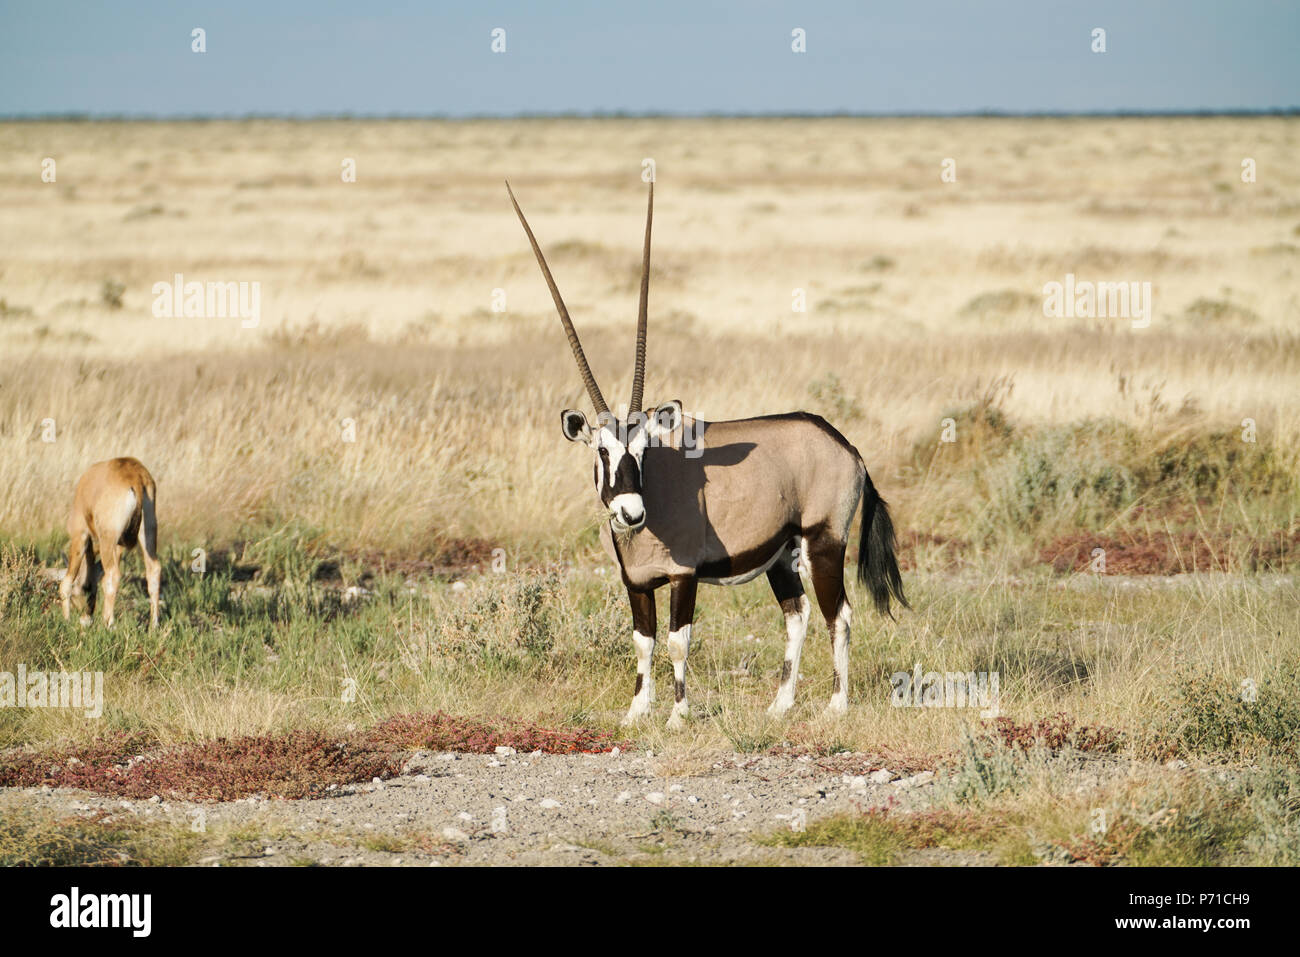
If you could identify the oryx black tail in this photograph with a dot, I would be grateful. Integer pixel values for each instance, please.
(877, 566)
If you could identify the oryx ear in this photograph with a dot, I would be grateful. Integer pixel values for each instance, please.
(575, 427)
(666, 419)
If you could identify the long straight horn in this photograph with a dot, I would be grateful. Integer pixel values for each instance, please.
(588, 379)
(638, 372)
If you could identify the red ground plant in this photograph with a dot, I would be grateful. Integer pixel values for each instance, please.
(298, 764)
(1057, 732)
(1164, 553)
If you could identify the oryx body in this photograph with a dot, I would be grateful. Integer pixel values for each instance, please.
(691, 501)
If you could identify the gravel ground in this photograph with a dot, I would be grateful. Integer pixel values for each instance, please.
(537, 809)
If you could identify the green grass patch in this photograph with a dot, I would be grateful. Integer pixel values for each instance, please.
(31, 838)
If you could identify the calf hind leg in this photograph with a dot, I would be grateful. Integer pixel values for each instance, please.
(80, 574)
(152, 567)
(111, 558)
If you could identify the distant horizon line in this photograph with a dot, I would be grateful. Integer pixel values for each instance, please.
(83, 116)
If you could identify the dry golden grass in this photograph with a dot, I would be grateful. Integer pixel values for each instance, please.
(377, 295)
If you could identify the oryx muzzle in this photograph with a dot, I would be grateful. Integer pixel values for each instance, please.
(746, 497)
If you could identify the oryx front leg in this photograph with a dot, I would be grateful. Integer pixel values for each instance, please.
(643, 639)
(682, 614)
(784, 579)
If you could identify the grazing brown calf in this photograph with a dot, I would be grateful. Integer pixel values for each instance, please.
(112, 511)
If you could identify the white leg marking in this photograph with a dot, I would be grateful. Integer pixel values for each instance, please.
(805, 566)
(645, 694)
(839, 702)
(796, 627)
(679, 646)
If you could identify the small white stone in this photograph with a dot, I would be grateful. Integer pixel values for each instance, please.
(465, 816)
(458, 586)
(454, 834)
(623, 797)
(857, 782)
(883, 776)
(548, 803)
(655, 797)
(503, 750)
(675, 787)
(615, 752)
(925, 777)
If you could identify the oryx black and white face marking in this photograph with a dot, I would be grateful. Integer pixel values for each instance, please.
(620, 448)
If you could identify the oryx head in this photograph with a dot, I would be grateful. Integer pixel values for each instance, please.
(618, 446)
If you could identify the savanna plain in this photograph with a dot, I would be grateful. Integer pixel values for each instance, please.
(389, 634)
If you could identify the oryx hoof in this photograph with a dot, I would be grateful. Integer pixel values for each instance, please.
(778, 708)
(85, 620)
(837, 707)
(677, 720)
(633, 716)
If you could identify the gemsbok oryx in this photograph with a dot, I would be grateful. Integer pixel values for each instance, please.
(113, 510)
(691, 501)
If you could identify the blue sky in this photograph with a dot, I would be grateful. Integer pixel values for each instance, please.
(669, 56)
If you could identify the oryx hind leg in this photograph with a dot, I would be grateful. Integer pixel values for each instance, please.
(681, 616)
(826, 556)
(643, 640)
(783, 576)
